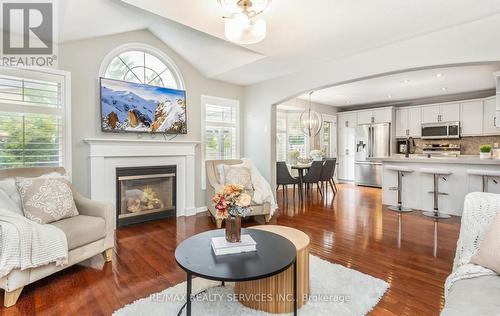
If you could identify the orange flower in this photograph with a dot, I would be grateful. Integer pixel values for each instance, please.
(232, 189)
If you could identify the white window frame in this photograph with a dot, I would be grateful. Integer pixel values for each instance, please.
(307, 139)
(332, 119)
(207, 99)
(148, 49)
(64, 78)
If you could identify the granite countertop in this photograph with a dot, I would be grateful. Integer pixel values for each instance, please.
(462, 159)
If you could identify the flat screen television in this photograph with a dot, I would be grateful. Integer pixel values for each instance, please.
(141, 108)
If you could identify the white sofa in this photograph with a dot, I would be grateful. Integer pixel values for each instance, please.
(478, 296)
(89, 233)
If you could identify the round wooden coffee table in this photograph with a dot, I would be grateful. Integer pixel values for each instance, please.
(274, 255)
(278, 289)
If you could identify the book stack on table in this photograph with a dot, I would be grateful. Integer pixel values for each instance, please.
(222, 247)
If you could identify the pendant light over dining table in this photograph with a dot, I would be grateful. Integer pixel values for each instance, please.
(241, 24)
(311, 121)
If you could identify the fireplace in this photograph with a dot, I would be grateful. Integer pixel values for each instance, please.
(145, 193)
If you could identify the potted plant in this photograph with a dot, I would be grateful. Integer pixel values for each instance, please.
(316, 155)
(292, 156)
(485, 151)
(232, 204)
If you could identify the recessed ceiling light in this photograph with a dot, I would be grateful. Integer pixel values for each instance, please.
(444, 88)
(389, 96)
(439, 75)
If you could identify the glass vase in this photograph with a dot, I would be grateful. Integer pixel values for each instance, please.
(233, 229)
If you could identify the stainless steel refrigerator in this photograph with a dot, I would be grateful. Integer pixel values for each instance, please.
(372, 140)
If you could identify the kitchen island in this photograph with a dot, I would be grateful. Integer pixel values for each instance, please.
(417, 186)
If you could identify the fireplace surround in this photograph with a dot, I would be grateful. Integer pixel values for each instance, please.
(145, 193)
(106, 155)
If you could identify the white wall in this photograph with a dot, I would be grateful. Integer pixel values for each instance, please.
(473, 42)
(83, 59)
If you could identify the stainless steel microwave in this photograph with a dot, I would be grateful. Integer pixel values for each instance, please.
(441, 130)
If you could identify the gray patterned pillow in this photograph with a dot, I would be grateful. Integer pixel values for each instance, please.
(237, 174)
(46, 200)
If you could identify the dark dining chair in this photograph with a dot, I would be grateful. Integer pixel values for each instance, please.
(284, 178)
(327, 174)
(313, 175)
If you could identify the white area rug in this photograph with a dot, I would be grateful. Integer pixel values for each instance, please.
(335, 290)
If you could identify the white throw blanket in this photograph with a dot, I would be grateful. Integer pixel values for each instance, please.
(25, 244)
(262, 189)
(479, 211)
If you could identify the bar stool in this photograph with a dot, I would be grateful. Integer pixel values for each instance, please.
(486, 174)
(436, 173)
(401, 171)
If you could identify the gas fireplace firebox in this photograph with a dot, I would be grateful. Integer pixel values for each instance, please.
(144, 194)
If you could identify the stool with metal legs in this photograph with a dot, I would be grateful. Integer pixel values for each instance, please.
(401, 171)
(437, 174)
(486, 175)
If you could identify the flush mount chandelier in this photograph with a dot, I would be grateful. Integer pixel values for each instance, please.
(241, 24)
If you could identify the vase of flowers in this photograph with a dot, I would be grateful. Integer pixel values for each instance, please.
(232, 204)
(316, 155)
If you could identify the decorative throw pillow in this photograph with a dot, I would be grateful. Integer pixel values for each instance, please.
(488, 255)
(46, 200)
(9, 188)
(10, 196)
(237, 174)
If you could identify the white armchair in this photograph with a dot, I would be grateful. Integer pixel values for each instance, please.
(214, 185)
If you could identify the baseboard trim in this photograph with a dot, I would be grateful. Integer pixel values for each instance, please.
(195, 210)
(201, 209)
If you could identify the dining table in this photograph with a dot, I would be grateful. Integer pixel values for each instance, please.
(301, 167)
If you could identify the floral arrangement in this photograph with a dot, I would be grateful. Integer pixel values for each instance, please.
(232, 201)
(294, 153)
(316, 154)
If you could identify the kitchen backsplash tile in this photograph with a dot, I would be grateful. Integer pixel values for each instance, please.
(468, 145)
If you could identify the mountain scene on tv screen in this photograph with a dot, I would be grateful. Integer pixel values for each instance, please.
(132, 107)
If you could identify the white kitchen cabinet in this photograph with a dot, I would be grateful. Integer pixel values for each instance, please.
(415, 122)
(346, 153)
(450, 112)
(402, 122)
(445, 112)
(408, 122)
(383, 115)
(365, 117)
(490, 119)
(472, 118)
(347, 119)
(430, 114)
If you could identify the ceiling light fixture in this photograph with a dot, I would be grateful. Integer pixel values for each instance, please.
(240, 23)
(310, 120)
(406, 81)
(439, 75)
(444, 88)
(389, 96)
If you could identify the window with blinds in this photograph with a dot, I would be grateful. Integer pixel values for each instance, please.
(221, 129)
(31, 120)
(281, 140)
(289, 135)
(295, 136)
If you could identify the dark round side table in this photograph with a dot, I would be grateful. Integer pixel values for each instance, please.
(274, 255)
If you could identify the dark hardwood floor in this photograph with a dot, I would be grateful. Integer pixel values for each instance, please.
(352, 229)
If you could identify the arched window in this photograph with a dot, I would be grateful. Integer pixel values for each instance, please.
(141, 64)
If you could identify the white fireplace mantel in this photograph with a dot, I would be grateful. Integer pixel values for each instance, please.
(107, 154)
